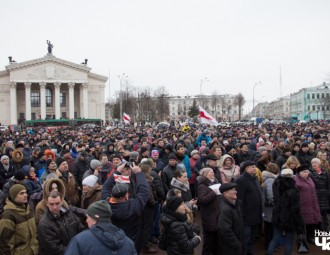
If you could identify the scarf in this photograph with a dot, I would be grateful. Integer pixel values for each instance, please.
(6, 167)
(180, 185)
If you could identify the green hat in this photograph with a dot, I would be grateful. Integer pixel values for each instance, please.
(100, 211)
(14, 190)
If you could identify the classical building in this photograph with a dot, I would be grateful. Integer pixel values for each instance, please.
(50, 88)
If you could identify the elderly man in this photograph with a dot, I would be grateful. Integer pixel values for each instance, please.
(250, 194)
(230, 223)
(57, 226)
(18, 232)
(102, 237)
(7, 170)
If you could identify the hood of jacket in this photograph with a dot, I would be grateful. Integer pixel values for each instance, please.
(266, 175)
(17, 158)
(224, 157)
(48, 185)
(109, 235)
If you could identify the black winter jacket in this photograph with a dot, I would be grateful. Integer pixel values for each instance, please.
(322, 186)
(286, 210)
(250, 196)
(55, 233)
(181, 238)
(5, 175)
(230, 229)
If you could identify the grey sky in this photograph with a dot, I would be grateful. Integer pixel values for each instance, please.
(177, 43)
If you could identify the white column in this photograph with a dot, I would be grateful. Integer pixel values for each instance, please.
(102, 105)
(42, 100)
(71, 100)
(13, 104)
(85, 100)
(57, 86)
(27, 100)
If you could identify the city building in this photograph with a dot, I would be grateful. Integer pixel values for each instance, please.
(50, 88)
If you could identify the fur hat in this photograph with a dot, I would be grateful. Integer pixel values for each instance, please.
(302, 168)
(100, 211)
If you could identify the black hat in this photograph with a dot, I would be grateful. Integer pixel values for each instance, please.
(143, 150)
(227, 186)
(119, 190)
(211, 157)
(19, 175)
(172, 156)
(317, 136)
(302, 168)
(117, 156)
(169, 147)
(100, 211)
(229, 148)
(173, 202)
(59, 161)
(247, 163)
(65, 151)
(48, 162)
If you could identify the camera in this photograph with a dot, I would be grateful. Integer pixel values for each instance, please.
(128, 164)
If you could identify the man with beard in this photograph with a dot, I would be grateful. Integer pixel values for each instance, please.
(7, 170)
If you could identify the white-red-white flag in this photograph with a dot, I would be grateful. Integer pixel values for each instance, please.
(126, 118)
(206, 118)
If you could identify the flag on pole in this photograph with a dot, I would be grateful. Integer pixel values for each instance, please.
(206, 118)
(126, 118)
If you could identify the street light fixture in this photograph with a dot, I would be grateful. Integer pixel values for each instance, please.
(122, 78)
(255, 84)
(205, 79)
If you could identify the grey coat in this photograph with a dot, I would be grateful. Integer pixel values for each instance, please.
(268, 180)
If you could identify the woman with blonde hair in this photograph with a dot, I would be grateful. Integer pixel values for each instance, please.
(322, 156)
(292, 163)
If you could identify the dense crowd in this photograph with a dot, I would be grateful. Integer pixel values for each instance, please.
(94, 191)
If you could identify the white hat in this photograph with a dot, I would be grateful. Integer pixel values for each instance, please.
(287, 172)
(90, 180)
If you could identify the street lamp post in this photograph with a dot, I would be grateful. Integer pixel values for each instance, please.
(255, 84)
(200, 89)
(122, 78)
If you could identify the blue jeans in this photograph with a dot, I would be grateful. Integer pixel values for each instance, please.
(155, 232)
(288, 242)
(250, 233)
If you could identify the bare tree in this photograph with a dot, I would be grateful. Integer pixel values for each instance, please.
(239, 101)
(214, 102)
(161, 102)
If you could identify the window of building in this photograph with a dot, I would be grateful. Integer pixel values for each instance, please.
(313, 96)
(33, 116)
(317, 95)
(35, 99)
(62, 100)
(318, 107)
(308, 96)
(49, 98)
(327, 94)
(322, 95)
(64, 115)
(323, 108)
(308, 108)
(21, 116)
(313, 107)
(328, 107)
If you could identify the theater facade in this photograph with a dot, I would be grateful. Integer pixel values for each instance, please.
(50, 88)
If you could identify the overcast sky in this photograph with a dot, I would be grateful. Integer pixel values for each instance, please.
(177, 43)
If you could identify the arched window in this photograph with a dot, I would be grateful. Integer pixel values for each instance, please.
(49, 98)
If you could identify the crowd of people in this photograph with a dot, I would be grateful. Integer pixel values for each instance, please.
(118, 190)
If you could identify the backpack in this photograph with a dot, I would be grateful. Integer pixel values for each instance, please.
(163, 238)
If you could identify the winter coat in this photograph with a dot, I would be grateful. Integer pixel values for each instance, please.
(322, 187)
(102, 238)
(208, 201)
(80, 167)
(55, 233)
(242, 157)
(286, 212)
(230, 229)
(70, 188)
(309, 207)
(276, 152)
(18, 232)
(6, 175)
(181, 238)
(127, 215)
(201, 137)
(33, 186)
(167, 175)
(250, 196)
(229, 174)
(268, 180)
(281, 160)
(183, 162)
(158, 184)
(93, 195)
(8, 185)
(42, 205)
(304, 158)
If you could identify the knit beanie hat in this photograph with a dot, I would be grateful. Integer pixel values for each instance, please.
(48, 162)
(90, 180)
(4, 157)
(172, 203)
(100, 211)
(229, 148)
(205, 171)
(95, 163)
(59, 161)
(14, 190)
(172, 156)
(19, 175)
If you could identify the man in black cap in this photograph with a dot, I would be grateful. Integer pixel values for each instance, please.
(102, 237)
(230, 223)
(250, 195)
(126, 212)
(168, 173)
